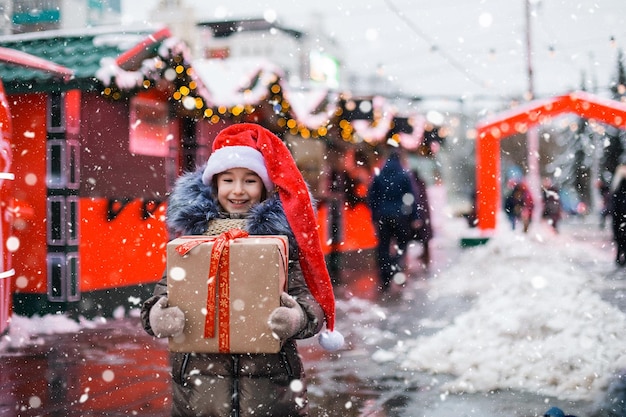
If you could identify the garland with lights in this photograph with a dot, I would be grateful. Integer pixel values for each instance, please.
(171, 70)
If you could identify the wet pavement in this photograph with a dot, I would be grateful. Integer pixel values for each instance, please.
(112, 368)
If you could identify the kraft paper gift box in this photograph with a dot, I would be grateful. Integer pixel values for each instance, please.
(236, 302)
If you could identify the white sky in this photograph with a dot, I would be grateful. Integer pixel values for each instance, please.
(451, 47)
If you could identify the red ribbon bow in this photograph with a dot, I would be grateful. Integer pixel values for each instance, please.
(218, 272)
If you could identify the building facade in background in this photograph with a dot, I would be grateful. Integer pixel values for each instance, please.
(22, 16)
(305, 57)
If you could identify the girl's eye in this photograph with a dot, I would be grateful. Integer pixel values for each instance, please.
(252, 180)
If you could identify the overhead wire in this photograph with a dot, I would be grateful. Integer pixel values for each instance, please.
(437, 49)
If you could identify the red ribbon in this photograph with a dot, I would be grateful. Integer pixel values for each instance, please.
(218, 272)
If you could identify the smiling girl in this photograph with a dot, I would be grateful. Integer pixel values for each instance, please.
(250, 182)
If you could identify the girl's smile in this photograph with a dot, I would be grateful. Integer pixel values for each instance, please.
(238, 189)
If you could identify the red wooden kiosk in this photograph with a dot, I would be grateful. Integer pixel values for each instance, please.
(6, 216)
(519, 120)
(9, 211)
(91, 170)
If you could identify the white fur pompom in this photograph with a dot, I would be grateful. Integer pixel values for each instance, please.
(331, 341)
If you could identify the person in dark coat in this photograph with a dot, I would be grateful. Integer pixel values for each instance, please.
(605, 199)
(519, 206)
(392, 201)
(239, 189)
(422, 227)
(552, 210)
(618, 213)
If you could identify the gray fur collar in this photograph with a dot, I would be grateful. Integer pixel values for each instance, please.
(191, 206)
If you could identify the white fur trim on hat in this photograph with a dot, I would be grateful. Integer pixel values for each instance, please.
(236, 157)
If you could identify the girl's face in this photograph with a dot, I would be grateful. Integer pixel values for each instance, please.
(238, 189)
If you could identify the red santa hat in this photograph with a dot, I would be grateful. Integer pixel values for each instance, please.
(236, 156)
(251, 146)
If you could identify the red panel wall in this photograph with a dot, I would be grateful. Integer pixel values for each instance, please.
(6, 210)
(29, 160)
(127, 250)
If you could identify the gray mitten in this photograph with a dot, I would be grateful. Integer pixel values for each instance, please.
(166, 321)
(288, 319)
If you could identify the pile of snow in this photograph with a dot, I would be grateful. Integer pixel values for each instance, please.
(28, 331)
(536, 323)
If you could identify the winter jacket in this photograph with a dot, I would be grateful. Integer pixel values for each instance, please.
(551, 203)
(424, 232)
(618, 212)
(387, 194)
(519, 203)
(241, 385)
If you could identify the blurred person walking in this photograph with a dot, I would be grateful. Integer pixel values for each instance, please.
(552, 210)
(422, 230)
(604, 188)
(618, 213)
(392, 200)
(519, 206)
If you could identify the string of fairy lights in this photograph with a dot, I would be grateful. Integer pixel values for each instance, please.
(185, 96)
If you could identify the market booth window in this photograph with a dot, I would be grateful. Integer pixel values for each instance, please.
(151, 128)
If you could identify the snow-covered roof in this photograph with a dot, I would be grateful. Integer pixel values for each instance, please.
(236, 81)
(74, 55)
(245, 81)
(124, 61)
(305, 102)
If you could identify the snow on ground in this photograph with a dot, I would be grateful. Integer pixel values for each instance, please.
(536, 323)
(26, 331)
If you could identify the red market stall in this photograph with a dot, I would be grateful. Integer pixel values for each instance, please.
(519, 120)
(6, 216)
(93, 163)
(10, 243)
(10, 208)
